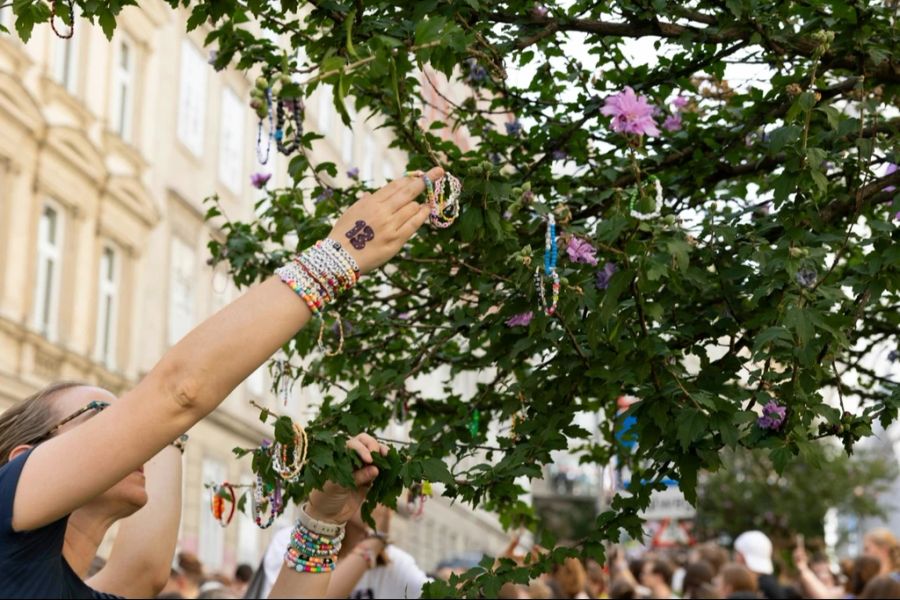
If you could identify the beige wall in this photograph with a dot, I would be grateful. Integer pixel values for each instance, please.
(137, 194)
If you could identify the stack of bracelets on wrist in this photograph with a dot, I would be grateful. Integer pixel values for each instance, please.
(319, 275)
(314, 545)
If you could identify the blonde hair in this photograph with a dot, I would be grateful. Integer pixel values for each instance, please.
(29, 420)
(884, 539)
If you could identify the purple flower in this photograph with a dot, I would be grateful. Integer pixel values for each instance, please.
(477, 73)
(892, 355)
(353, 173)
(325, 194)
(405, 316)
(581, 251)
(266, 443)
(680, 102)
(891, 168)
(539, 11)
(213, 55)
(520, 320)
(897, 216)
(806, 277)
(672, 122)
(558, 155)
(630, 113)
(604, 276)
(773, 416)
(259, 180)
(495, 158)
(513, 127)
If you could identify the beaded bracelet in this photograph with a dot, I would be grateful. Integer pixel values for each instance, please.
(651, 215)
(260, 498)
(217, 503)
(320, 275)
(311, 552)
(444, 206)
(551, 253)
(289, 470)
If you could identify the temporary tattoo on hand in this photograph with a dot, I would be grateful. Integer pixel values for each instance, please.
(360, 234)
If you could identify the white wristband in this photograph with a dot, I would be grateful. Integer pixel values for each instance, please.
(319, 527)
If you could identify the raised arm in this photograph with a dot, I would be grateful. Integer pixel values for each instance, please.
(196, 375)
(333, 505)
(141, 556)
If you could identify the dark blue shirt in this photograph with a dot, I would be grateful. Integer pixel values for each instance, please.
(31, 562)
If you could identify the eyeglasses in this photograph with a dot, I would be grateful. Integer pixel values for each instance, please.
(97, 405)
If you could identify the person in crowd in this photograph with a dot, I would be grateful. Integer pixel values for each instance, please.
(190, 574)
(74, 459)
(596, 579)
(712, 553)
(863, 570)
(369, 566)
(753, 549)
(622, 588)
(696, 575)
(242, 576)
(656, 575)
(881, 544)
(882, 586)
(737, 581)
(570, 579)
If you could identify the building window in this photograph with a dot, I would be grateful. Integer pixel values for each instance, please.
(49, 259)
(65, 62)
(181, 290)
(231, 146)
(192, 99)
(212, 534)
(107, 307)
(123, 89)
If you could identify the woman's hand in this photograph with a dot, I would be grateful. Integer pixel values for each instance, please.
(337, 504)
(375, 228)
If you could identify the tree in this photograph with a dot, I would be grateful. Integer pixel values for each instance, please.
(773, 268)
(747, 493)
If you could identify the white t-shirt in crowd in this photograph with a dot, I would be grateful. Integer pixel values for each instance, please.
(400, 578)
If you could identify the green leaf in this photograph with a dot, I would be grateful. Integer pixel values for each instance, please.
(691, 425)
(107, 22)
(429, 29)
(796, 318)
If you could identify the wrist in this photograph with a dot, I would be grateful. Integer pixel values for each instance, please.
(318, 521)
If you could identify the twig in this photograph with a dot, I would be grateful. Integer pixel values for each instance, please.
(349, 67)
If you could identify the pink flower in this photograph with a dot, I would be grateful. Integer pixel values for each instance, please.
(680, 102)
(672, 122)
(631, 113)
(259, 180)
(581, 251)
(520, 320)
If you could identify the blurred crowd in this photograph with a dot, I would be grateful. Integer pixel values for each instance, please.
(750, 568)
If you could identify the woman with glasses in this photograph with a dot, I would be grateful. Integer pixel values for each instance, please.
(74, 459)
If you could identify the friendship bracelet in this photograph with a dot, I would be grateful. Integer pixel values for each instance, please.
(312, 552)
(71, 25)
(551, 253)
(261, 497)
(217, 503)
(180, 442)
(445, 207)
(289, 470)
(659, 199)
